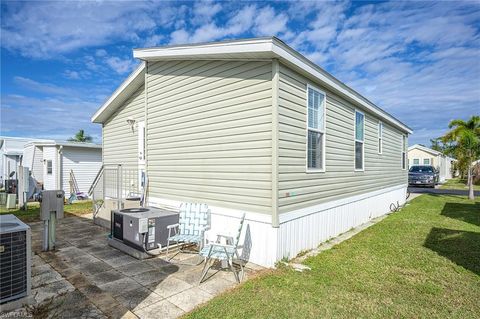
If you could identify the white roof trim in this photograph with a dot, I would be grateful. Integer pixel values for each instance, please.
(259, 48)
(66, 144)
(425, 149)
(133, 76)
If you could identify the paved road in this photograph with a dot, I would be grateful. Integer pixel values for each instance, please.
(441, 191)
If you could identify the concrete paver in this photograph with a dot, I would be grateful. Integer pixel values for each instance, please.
(86, 278)
(188, 299)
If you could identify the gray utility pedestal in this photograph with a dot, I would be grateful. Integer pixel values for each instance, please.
(51, 209)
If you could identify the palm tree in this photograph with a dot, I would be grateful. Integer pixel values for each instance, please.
(466, 137)
(81, 137)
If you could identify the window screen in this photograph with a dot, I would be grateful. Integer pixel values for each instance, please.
(316, 129)
(359, 139)
(49, 167)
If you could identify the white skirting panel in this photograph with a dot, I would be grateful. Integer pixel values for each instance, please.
(299, 230)
(307, 228)
(258, 239)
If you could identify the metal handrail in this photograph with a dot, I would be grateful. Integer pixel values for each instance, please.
(95, 181)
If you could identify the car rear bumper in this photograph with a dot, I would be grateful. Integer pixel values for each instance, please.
(421, 183)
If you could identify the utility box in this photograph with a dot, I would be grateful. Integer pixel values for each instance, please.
(15, 263)
(143, 228)
(51, 202)
(11, 201)
(51, 209)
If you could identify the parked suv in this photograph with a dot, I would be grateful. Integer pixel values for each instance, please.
(423, 175)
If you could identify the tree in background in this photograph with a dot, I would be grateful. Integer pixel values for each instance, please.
(439, 145)
(464, 136)
(81, 137)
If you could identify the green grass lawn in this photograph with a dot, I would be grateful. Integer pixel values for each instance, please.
(422, 262)
(33, 212)
(457, 183)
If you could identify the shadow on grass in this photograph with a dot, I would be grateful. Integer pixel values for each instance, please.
(461, 247)
(469, 213)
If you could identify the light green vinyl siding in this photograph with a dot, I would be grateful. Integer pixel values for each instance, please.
(299, 189)
(209, 132)
(120, 142)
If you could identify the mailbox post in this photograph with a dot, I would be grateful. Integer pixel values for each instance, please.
(51, 209)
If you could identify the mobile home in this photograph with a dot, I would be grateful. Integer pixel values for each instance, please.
(54, 164)
(253, 126)
(11, 152)
(421, 155)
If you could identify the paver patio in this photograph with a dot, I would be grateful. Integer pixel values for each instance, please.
(86, 278)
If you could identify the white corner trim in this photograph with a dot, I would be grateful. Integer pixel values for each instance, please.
(302, 212)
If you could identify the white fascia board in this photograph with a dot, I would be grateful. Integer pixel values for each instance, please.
(425, 149)
(254, 46)
(118, 91)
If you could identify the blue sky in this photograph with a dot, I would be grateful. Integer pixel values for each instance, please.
(420, 61)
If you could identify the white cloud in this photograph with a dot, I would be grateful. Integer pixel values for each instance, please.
(101, 52)
(249, 18)
(46, 29)
(46, 88)
(121, 66)
(73, 75)
(267, 22)
(204, 11)
(153, 40)
(179, 36)
(47, 117)
(406, 57)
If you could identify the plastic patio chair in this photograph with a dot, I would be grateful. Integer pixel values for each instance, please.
(218, 252)
(194, 220)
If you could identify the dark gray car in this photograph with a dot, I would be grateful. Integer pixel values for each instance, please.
(422, 175)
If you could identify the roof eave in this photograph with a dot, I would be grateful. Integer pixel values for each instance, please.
(256, 48)
(99, 116)
(425, 149)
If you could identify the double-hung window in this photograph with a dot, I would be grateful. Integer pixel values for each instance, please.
(315, 129)
(380, 137)
(426, 161)
(404, 152)
(416, 161)
(359, 140)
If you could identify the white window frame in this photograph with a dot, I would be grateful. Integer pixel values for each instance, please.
(417, 160)
(355, 140)
(51, 167)
(426, 159)
(403, 160)
(380, 137)
(324, 132)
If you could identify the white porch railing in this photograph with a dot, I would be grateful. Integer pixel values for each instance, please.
(115, 183)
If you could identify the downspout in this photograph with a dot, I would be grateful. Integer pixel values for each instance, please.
(145, 127)
(275, 89)
(59, 166)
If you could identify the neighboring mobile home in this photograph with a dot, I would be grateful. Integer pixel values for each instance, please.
(421, 155)
(51, 164)
(11, 152)
(253, 126)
